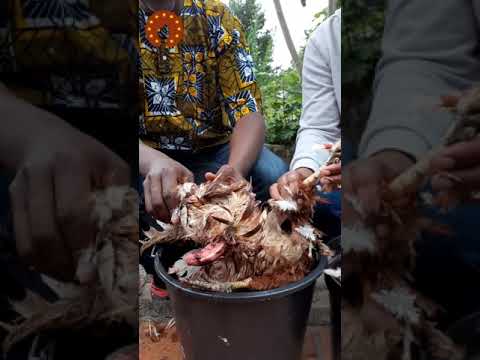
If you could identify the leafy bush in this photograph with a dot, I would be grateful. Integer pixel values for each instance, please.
(282, 97)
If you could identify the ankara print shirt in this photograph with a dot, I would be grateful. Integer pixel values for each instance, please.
(70, 54)
(194, 93)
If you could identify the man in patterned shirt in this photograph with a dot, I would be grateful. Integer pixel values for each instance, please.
(202, 105)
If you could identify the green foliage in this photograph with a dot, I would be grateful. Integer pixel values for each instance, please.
(282, 97)
(281, 89)
(362, 31)
(260, 40)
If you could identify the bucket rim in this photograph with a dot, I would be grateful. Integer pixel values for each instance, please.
(241, 296)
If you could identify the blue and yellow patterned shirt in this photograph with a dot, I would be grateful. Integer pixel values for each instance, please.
(193, 96)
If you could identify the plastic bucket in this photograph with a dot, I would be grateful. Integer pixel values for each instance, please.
(259, 325)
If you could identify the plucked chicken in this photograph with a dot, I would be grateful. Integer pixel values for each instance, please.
(238, 244)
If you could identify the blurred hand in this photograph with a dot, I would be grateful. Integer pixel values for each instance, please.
(462, 162)
(291, 181)
(227, 174)
(363, 179)
(333, 175)
(58, 170)
(160, 186)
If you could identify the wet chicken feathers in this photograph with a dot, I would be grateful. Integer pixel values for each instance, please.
(111, 296)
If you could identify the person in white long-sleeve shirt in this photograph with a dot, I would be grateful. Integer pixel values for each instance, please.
(322, 94)
(320, 121)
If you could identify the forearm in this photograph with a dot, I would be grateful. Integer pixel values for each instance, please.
(247, 142)
(310, 137)
(147, 156)
(22, 123)
(415, 71)
(405, 115)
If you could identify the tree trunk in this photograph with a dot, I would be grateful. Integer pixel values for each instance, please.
(288, 37)
(332, 6)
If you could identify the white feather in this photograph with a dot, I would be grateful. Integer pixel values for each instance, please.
(358, 238)
(335, 273)
(286, 205)
(400, 302)
(307, 231)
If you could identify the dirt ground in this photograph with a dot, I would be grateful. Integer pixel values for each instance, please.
(167, 348)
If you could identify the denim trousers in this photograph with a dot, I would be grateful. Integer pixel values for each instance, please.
(328, 217)
(448, 266)
(265, 171)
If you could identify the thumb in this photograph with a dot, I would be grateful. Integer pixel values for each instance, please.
(210, 176)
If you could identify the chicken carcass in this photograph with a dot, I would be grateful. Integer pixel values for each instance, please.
(239, 244)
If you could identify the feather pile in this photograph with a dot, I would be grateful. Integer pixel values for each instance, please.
(238, 244)
(384, 316)
(111, 296)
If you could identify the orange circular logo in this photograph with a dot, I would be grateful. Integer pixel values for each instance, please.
(164, 28)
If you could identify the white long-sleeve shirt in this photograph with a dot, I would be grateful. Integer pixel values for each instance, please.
(320, 121)
(429, 49)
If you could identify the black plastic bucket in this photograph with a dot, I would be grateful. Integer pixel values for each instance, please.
(262, 325)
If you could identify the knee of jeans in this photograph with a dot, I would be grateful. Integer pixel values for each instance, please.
(268, 168)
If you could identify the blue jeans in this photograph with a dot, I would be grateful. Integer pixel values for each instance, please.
(448, 266)
(328, 217)
(265, 172)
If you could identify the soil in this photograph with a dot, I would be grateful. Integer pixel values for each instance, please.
(167, 348)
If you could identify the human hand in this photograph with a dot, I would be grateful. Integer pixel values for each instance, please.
(332, 176)
(363, 180)
(227, 174)
(56, 174)
(462, 164)
(289, 183)
(160, 186)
